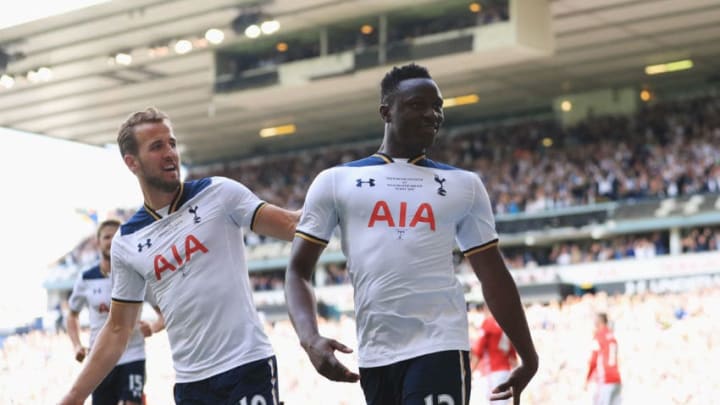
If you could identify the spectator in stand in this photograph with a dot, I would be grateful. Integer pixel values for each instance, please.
(674, 157)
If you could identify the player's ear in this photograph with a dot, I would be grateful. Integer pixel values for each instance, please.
(131, 162)
(385, 112)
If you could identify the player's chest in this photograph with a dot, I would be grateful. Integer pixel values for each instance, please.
(176, 242)
(98, 294)
(409, 200)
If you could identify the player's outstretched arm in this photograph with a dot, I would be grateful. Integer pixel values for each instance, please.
(503, 300)
(73, 330)
(276, 222)
(302, 306)
(106, 351)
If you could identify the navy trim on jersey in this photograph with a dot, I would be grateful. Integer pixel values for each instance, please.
(374, 160)
(137, 222)
(126, 301)
(381, 158)
(173, 204)
(143, 217)
(93, 273)
(257, 210)
(425, 162)
(193, 188)
(387, 158)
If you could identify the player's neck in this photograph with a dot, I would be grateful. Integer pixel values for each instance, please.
(157, 199)
(401, 153)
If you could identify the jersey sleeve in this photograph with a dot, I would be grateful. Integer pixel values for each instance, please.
(319, 216)
(77, 299)
(127, 284)
(241, 204)
(476, 230)
(150, 297)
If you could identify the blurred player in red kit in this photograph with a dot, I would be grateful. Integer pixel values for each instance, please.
(604, 364)
(493, 356)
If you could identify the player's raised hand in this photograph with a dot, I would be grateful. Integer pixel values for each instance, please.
(513, 387)
(322, 355)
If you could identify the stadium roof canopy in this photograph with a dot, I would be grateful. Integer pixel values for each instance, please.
(84, 97)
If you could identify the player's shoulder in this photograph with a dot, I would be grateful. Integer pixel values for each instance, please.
(448, 171)
(139, 220)
(143, 218)
(93, 273)
(194, 187)
(220, 183)
(373, 160)
(425, 162)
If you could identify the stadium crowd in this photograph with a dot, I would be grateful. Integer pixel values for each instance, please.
(683, 326)
(665, 150)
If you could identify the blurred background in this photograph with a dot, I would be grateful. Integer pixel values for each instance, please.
(594, 124)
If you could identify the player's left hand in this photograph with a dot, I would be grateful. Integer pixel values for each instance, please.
(321, 351)
(513, 387)
(145, 328)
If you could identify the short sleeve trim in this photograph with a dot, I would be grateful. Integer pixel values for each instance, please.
(254, 217)
(480, 248)
(311, 238)
(121, 301)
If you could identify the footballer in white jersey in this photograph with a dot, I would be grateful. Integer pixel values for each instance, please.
(92, 289)
(186, 243)
(400, 216)
(181, 253)
(399, 221)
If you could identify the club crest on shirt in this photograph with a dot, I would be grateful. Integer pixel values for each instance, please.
(441, 190)
(194, 212)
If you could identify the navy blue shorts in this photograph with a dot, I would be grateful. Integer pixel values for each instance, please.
(250, 384)
(124, 383)
(441, 378)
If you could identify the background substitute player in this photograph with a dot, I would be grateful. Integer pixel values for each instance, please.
(604, 364)
(493, 355)
(186, 243)
(125, 383)
(400, 214)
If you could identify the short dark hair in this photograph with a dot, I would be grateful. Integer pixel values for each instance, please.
(126, 136)
(106, 223)
(603, 317)
(392, 79)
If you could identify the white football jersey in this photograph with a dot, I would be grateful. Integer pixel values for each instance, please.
(399, 221)
(192, 256)
(93, 289)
